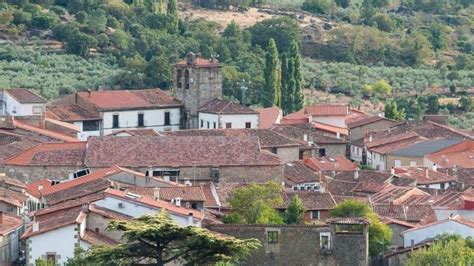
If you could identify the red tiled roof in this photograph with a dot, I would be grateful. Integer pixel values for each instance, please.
(171, 151)
(423, 175)
(200, 62)
(388, 139)
(56, 154)
(62, 124)
(25, 96)
(224, 107)
(337, 163)
(212, 200)
(186, 193)
(12, 182)
(297, 172)
(129, 99)
(365, 121)
(71, 113)
(312, 200)
(296, 117)
(45, 132)
(330, 128)
(155, 203)
(269, 116)
(345, 182)
(327, 110)
(136, 132)
(461, 155)
(108, 213)
(9, 223)
(52, 220)
(395, 194)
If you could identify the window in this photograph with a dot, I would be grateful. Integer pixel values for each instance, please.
(37, 109)
(208, 124)
(322, 152)
(202, 123)
(228, 125)
(301, 155)
(141, 120)
(274, 150)
(115, 121)
(215, 125)
(412, 163)
(51, 258)
(442, 186)
(325, 240)
(398, 163)
(167, 119)
(92, 125)
(248, 125)
(272, 237)
(97, 230)
(186, 79)
(315, 215)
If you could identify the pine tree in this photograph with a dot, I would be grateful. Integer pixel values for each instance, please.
(298, 98)
(271, 89)
(173, 13)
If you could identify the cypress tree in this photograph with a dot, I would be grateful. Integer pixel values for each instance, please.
(291, 86)
(284, 84)
(271, 90)
(173, 13)
(298, 98)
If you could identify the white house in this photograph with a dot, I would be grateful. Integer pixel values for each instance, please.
(453, 225)
(219, 113)
(21, 102)
(99, 113)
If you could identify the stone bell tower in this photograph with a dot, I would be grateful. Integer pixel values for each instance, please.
(196, 82)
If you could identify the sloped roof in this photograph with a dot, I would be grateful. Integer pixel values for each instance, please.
(55, 154)
(25, 96)
(200, 62)
(186, 193)
(424, 175)
(460, 154)
(297, 132)
(297, 172)
(224, 107)
(71, 113)
(330, 128)
(9, 223)
(45, 132)
(336, 163)
(327, 110)
(269, 116)
(170, 151)
(94, 238)
(456, 218)
(425, 147)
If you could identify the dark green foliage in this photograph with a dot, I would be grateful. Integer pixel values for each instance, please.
(437, 36)
(317, 6)
(391, 111)
(80, 43)
(157, 240)
(173, 14)
(294, 65)
(433, 104)
(466, 103)
(271, 90)
(295, 211)
(283, 30)
(343, 3)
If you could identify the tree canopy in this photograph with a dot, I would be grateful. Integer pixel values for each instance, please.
(158, 240)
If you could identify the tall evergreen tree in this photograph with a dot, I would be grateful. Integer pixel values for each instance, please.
(291, 88)
(271, 89)
(173, 13)
(298, 98)
(285, 99)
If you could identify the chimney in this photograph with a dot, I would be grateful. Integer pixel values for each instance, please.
(76, 96)
(333, 173)
(1, 217)
(434, 167)
(89, 93)
(356, 175)
(392, 171)
(156, 193)
(391, 207)
(35, 224)
(426, 173)
(42, 122)
(370, 137)
(190, 219)
(177, 201)
(40, 187)
(305, 137)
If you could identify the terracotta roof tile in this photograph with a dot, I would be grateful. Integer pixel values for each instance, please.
(269, 116)
(330, 128)
(45, 132)
(395, 194)
(345, 183)
(461, 155)
(423, 175)
(312, 200)
(25, 96)
(224, 107)
(297, 132)
(9, 223)
(71, 113)
(108, 213)
(200, 62)
(53, 220)
(337, 163)
(94, 238)
(173, 151)
(212, 199)
(12, 149)
(136, 132)
(226, 191)
(56, 154)
(327, 110)
(297, 172)
(186, 193)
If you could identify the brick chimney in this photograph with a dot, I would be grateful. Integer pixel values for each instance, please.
(1, 217)
(426, 172)
(156, 193)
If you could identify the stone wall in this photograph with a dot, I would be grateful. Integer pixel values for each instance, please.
(300, 245)
(359, 132)
(98, 223)
(334, 149)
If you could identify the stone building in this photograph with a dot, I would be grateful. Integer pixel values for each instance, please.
(196, 81)
(343, 241)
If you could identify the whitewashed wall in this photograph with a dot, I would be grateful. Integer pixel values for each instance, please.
(338, 121)
(211, 118)
(61, 241)
(450, 227)
(238, 121)
(22, 109)
(83, 135)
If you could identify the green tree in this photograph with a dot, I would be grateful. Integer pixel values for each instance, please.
(256, 203)
(380, 234)
(437, 36)
(295, 211)
(433, 104)
(173, 13)
(157, 240)
(271, 90)
(451, 250)
(367, 11)
(297, 92)
(343, 3)
(283, 30)
(466, 103)
(80, 43)
(379, 88)
(391, 111)
(286, 75)
(415, 49)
